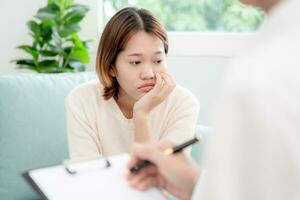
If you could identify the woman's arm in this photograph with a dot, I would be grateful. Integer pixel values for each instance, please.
(82, 138)
(165, 84)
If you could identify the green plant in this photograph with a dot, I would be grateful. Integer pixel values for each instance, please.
(56, 46)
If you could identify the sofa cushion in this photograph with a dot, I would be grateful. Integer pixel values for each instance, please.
(32, 126)
(198, 150)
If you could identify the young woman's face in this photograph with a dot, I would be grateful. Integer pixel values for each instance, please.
(137, 64)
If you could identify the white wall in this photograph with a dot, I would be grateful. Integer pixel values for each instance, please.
(201, 75)
(13, 17)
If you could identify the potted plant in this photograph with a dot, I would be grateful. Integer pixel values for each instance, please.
(56, 46)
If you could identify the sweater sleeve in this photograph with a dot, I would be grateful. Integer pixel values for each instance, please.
(182, 119)
(83, 140)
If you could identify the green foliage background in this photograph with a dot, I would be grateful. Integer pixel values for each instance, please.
(197, 15)
(56, 46)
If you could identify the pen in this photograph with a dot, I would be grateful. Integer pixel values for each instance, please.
(168, 151)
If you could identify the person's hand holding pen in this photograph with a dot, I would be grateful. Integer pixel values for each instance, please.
(177, 173)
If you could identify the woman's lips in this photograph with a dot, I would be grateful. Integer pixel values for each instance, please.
(146, 87)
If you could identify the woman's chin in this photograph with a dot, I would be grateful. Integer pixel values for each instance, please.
(140, 95)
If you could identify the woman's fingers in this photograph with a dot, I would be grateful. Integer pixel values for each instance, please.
(165, 83)
(168, 86)
(158, 85)
(163, 87)
(169, 79)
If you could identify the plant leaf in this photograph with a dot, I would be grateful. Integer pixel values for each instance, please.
(27, 62)
(48, 23)
(49, 69)
(76, 40)
(35, 30)
(46, 63)
(29, 49)
(50, 12)
(66, 52)
(73, 18)
(81, 54)
(69, 30)
(48, 66)
(75, 14)
(57, 40)
(68, 3)
(33, 26)
(52, 1)
(48, 53)
(67, 69)
(46, 33)
(54, 48)
(78, 8)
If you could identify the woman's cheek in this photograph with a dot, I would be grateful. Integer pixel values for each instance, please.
(162, 68)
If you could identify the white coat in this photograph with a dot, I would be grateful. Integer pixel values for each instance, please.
(254, 152)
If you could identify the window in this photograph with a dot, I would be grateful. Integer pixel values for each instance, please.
(219, 27)
(195, 15)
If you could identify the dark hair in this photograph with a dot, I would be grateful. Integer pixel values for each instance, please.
(119, 29)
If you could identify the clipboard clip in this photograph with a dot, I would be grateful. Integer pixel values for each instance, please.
(86, 165)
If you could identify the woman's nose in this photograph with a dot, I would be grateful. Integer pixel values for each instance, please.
(148, 73)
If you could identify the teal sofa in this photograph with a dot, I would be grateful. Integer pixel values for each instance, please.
(33, 127)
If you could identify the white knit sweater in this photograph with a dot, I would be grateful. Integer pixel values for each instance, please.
(98, 127)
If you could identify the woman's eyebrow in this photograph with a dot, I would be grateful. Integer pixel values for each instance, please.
(140, 54)
(135, 54)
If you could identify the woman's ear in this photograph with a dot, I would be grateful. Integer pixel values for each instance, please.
(112, 71)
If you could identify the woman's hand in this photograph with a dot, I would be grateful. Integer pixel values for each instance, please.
(165, 84)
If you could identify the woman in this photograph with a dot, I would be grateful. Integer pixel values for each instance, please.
(135, 99)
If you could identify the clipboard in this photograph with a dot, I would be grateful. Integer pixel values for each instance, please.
(94, 179)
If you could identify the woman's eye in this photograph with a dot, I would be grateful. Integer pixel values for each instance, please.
(158, 61)
(135, 62)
